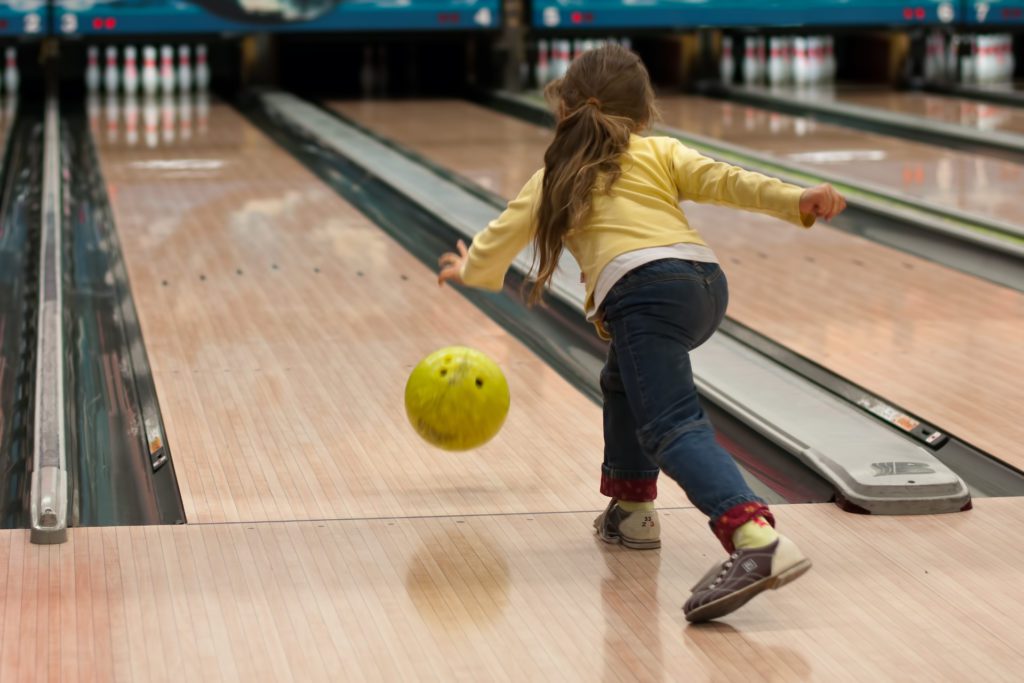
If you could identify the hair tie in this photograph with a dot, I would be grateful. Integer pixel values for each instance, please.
(594, 101)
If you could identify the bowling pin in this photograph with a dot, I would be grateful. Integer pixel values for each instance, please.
(998, 59)
(981, 69)
(202, 73)
(777, 60)
(167, 69)
(12, 77)
(995, 65)
(994, 59)
(749, 60)
(111, 74)
(1008, 62)
(626, 43)
(561, 58)
(131, 119)
(566, 55)
(801, 69)
(952, 56)
(184, 68)
(185, 116)
(150, 76)
(542, 75)
(131, 70)
(92, 69)
(814, 55)
(555, 64)
(727, 65)
(169, 113)
(991, 59)
(151, 120)
(1002, 58)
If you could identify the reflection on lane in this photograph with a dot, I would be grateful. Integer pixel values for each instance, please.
(973, 183)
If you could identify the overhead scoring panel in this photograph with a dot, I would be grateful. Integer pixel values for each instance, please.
(116, 17)
(615, 14)
(993, 12)
(24, 17)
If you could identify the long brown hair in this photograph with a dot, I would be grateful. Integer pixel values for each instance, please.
(604, 97)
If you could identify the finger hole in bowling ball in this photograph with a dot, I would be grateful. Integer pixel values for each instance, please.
(479, 383)
(444, 371)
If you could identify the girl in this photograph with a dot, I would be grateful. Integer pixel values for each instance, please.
(655, 290)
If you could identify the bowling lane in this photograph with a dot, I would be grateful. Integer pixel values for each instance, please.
(281, 325)
(940, 343)
(959, 111)
(510, 598)
(974, 183)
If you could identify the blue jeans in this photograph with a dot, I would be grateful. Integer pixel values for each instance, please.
(653, 420)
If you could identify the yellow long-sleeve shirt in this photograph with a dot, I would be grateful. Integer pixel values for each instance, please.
(641, 211)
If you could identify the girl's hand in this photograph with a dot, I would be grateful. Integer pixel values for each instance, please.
(451, 265)
(822, 202)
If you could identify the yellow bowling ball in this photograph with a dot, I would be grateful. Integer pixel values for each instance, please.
(457, 398)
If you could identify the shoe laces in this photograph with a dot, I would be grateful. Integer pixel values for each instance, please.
(726, 566)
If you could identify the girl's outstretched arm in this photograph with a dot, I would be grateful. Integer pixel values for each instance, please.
(485, 263)
(701, 179)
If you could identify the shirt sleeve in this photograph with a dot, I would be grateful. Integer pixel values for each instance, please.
(496, 246)
(707, 181)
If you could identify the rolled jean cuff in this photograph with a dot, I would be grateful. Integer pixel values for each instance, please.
(725, 524)
(638, 486)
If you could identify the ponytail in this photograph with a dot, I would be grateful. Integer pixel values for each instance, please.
(591, 136)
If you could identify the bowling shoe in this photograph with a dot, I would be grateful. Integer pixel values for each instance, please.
(747, 572)
(639, 530)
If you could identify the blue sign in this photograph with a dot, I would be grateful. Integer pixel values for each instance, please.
(624, 14)
(24, 18)
(121, 17)
(993, 12)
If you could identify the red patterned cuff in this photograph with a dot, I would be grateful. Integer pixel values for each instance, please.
(632, 490)
(737, 516)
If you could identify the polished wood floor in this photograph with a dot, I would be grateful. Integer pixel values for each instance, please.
(326, 543)
(974, 183)
(942, 344)
(960, 111)
(510, 598)
(281, 326)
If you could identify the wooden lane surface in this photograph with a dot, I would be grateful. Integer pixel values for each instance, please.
(509, 597)
(942, 344)
(960, 111)
(281, 326)
(975, 183)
